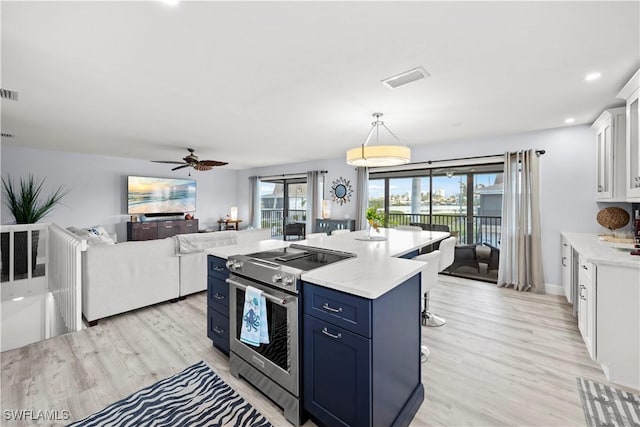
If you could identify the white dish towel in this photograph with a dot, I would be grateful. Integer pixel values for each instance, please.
(255, 328)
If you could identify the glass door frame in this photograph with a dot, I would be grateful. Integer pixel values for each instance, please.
(285, 194)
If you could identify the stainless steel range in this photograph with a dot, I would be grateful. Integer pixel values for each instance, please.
(273, 368)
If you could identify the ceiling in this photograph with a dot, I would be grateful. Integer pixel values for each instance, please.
(264, 83)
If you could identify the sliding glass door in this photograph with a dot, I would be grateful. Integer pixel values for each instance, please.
(283, 207)
(465, 200)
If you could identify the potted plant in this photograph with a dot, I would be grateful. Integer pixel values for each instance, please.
(28, 206)
(375, 219)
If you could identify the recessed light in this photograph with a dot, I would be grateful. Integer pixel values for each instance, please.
(171, 2)
(592, 76)
(569, 120)
(17, 299)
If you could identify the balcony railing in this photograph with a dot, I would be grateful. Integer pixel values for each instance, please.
(474, 229)
(272, 219)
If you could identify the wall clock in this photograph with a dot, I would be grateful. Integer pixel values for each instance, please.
(341, 191)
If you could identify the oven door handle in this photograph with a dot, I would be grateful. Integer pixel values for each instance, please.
(281, 301)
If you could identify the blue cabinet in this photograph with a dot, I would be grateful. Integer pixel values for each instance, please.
(361, 361)
(218, 303)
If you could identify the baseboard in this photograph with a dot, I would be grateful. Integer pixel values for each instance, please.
(552, 289)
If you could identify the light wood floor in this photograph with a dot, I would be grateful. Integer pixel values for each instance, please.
(503, 358)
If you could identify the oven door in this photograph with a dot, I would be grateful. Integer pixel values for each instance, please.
(278, 360)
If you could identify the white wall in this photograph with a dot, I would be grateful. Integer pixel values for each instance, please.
(567, 180)
(98, 186)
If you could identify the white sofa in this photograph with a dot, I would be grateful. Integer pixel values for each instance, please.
(192, 248)
(121, 277)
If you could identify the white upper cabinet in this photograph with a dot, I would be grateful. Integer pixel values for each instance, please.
(632, 180)
(610, 130)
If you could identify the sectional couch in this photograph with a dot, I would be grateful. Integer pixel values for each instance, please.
(121, 277)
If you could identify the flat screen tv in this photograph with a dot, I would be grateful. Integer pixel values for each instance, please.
(147, 195)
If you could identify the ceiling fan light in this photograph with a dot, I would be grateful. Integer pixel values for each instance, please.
(379, 155)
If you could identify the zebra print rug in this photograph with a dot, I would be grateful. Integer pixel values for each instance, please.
(194, 397)
(608, 406)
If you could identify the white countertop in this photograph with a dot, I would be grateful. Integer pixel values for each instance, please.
(373, 272)
(597, 251)
(246, 248)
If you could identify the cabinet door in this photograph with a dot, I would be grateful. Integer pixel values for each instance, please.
(189, 226)
(218, 294)
(337, 374)
(604, 166)
(633, 148)
(143, 231)
(218, 329)
(168, 229)
(566, 269)
(586, 307)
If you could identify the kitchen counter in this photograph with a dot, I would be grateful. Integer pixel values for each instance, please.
(376, 268)
(600, 252)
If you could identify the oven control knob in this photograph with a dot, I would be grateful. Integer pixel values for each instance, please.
(277, 278)
(234, 265)
(288, 281)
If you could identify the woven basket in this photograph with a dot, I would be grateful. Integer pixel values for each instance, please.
(613, 218)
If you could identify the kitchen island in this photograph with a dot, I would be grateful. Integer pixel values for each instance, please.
(359, 329)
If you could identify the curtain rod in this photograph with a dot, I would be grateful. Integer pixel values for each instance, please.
(285, 176)
(538, 152)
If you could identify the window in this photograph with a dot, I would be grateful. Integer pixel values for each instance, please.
(465, 199)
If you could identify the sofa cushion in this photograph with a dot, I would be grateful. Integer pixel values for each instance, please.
(199, 242)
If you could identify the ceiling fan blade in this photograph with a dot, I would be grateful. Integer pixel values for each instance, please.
(212, 163)
(168, 161)
(202, 168)
(180, 167)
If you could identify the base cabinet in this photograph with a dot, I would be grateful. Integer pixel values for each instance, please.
(151, 230)
(360, 369)
(329, 225)
(567, 269)
(587, 306)
(218, 303)
(337, 370)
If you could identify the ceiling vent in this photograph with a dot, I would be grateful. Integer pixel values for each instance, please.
(9, 94)
(406, 77)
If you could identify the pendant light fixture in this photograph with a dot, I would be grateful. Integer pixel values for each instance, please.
(379, 155)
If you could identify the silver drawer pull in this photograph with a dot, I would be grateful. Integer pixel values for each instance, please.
(218, 268)
(218, 296)
(218, 330)
(335, 310)
(329, 334)
(168, 226)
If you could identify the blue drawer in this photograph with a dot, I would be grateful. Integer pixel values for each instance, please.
(218, 294)
(218, 329)
(217, 267)
(350, 312)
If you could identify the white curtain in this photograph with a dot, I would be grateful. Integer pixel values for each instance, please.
(255, 203)
(362, 198)
(520, 245)
(314, 199)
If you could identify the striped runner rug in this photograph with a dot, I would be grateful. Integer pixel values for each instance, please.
(194, 397)
(608, 406)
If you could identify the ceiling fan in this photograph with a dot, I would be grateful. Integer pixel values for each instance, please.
(192, 160)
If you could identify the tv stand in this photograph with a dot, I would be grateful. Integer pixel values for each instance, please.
(151, 230)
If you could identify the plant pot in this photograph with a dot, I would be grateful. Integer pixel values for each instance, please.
(20, 263)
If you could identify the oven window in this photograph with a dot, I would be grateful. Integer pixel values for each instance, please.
(277, 350)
